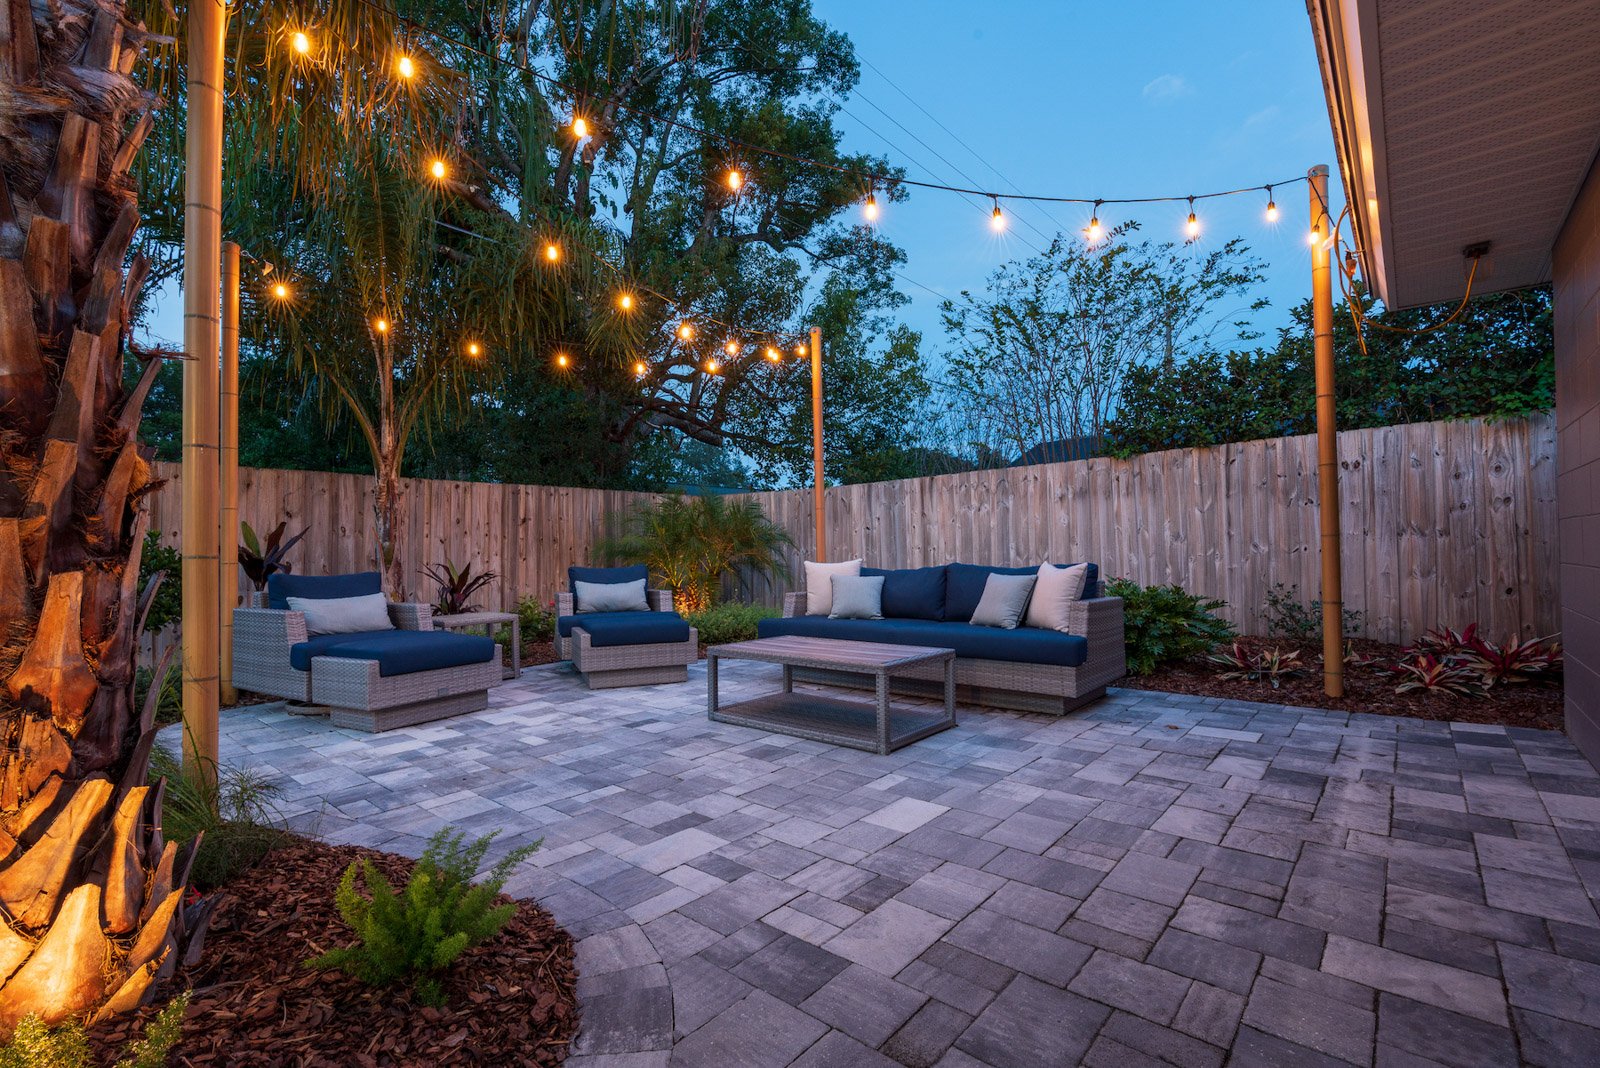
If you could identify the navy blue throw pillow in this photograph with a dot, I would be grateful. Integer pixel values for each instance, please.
(913, 592)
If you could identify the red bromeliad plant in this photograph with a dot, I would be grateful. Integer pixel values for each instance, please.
(457, 587)
(1270, 665)
(259, 558)
(1428, 673)
(1513, 662)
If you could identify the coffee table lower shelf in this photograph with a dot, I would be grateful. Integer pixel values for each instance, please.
(830, 719)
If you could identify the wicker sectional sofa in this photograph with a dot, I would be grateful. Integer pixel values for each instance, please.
(1027, 668)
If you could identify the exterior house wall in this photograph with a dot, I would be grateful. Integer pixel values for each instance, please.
(1576, 268)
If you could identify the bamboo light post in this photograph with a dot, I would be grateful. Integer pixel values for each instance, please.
(816, 441)
(228, 474)
(1327, 436)
(202, 240)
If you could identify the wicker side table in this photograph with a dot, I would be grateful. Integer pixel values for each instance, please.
(877, 728)
(489, 621)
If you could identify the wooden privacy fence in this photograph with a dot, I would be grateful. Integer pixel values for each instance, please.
(1446, 522)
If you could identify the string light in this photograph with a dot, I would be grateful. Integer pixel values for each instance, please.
(731, 348)
(773, 354)
(407, 67)
(800, 349)
(997, 219)
(552, 252)
(1272, 207)
(301, 42)
(870, 208)
(625, 302)
(439, 169)
(381, 325)
(580, 127)
(474, 349)
(686, 330)
(280, 291)
(639, 368)
(563, 361)
(1191, 226)
(1094, 231)
(735, 180)
(712, 367)
(1313, 237)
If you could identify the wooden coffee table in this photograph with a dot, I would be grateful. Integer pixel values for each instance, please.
(877, 727)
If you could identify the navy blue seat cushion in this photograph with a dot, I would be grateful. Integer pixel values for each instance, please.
(964, 586)
(1024, 645)
(398, 652)
(282, 586)
(607, 576)
(627, 628)
(912, 592)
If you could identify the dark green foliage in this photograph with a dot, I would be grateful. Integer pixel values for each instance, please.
(235, 813)
(730, 621)
(167, 606)
(1289, 617)
(1163, 623)
(538, 619)
(457, 587)
(169, 706)
(1496, 360)
(414, 935)
(33, 1045)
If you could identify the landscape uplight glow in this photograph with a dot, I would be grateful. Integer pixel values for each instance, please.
(563, 361)
(381, 325)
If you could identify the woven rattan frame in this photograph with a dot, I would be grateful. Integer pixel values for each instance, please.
(610, 666)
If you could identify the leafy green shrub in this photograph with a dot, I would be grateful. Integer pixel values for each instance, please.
(235, 812)
(169, 706)
(538, 620)
(1164, 623)
(33, 1045)
(730, 621)
(1288, 617)
(690, 543)
(168, 604)
(414, 935)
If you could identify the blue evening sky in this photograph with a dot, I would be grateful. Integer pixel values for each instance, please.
(1133, 99)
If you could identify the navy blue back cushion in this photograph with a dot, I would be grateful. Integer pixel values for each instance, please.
(912, 593)
(282, 586)
(606, 575)
(964, 587)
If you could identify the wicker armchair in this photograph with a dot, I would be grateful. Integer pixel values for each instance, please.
(609, 665)
(355, 691)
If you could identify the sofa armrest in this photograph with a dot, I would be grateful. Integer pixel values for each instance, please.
(659, 600)
(268, 628)
(565, 605)
(411, 616)
(794, 604)
(1100, 620)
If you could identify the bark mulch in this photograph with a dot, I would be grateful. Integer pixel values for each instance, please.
(509, 1001)
(1367, 689)
(535, 653)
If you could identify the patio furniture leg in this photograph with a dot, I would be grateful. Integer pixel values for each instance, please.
(883, 713)
(788, 679)
(516, 647)
(950, 690)
(711, 682)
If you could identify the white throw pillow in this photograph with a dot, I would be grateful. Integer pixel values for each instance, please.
(1004, 600)
(1057, 588)
(343, 615)
(819, 584)
(610, 596)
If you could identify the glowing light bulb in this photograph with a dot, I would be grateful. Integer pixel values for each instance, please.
(997, 219)
(1313, 237)
(800, 349)
(563, 360)
(870, 208)
(407, 67)
(301, 42)
(639, 368)
(773, 354)
(439, 169)
(685, 330)
(474, 349)
(712, 367)
(735, 180)
(280, 291)
(625, 302)
(1192, 227)
(580, 127)
(731, 348)
(1272, 212)
(381, 325)
(1094, 231)
(552, 252)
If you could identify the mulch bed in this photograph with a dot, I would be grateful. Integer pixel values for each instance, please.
(1367, 689)
(535, 653)
(510, 1001)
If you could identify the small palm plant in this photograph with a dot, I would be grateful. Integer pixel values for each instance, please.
(690, 543)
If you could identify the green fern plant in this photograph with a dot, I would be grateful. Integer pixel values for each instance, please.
(413, 936)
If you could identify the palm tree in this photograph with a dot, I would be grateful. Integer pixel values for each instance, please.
(91, 890)
(690, 543)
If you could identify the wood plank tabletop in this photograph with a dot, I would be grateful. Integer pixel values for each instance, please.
(835, 653)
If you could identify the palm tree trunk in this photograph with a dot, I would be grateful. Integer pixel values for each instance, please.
(91, 889)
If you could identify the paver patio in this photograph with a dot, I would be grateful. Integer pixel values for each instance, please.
(1161, 878)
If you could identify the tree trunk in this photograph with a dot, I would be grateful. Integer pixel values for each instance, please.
(91, 891)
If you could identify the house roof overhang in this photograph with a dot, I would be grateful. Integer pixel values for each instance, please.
(1458, 122)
